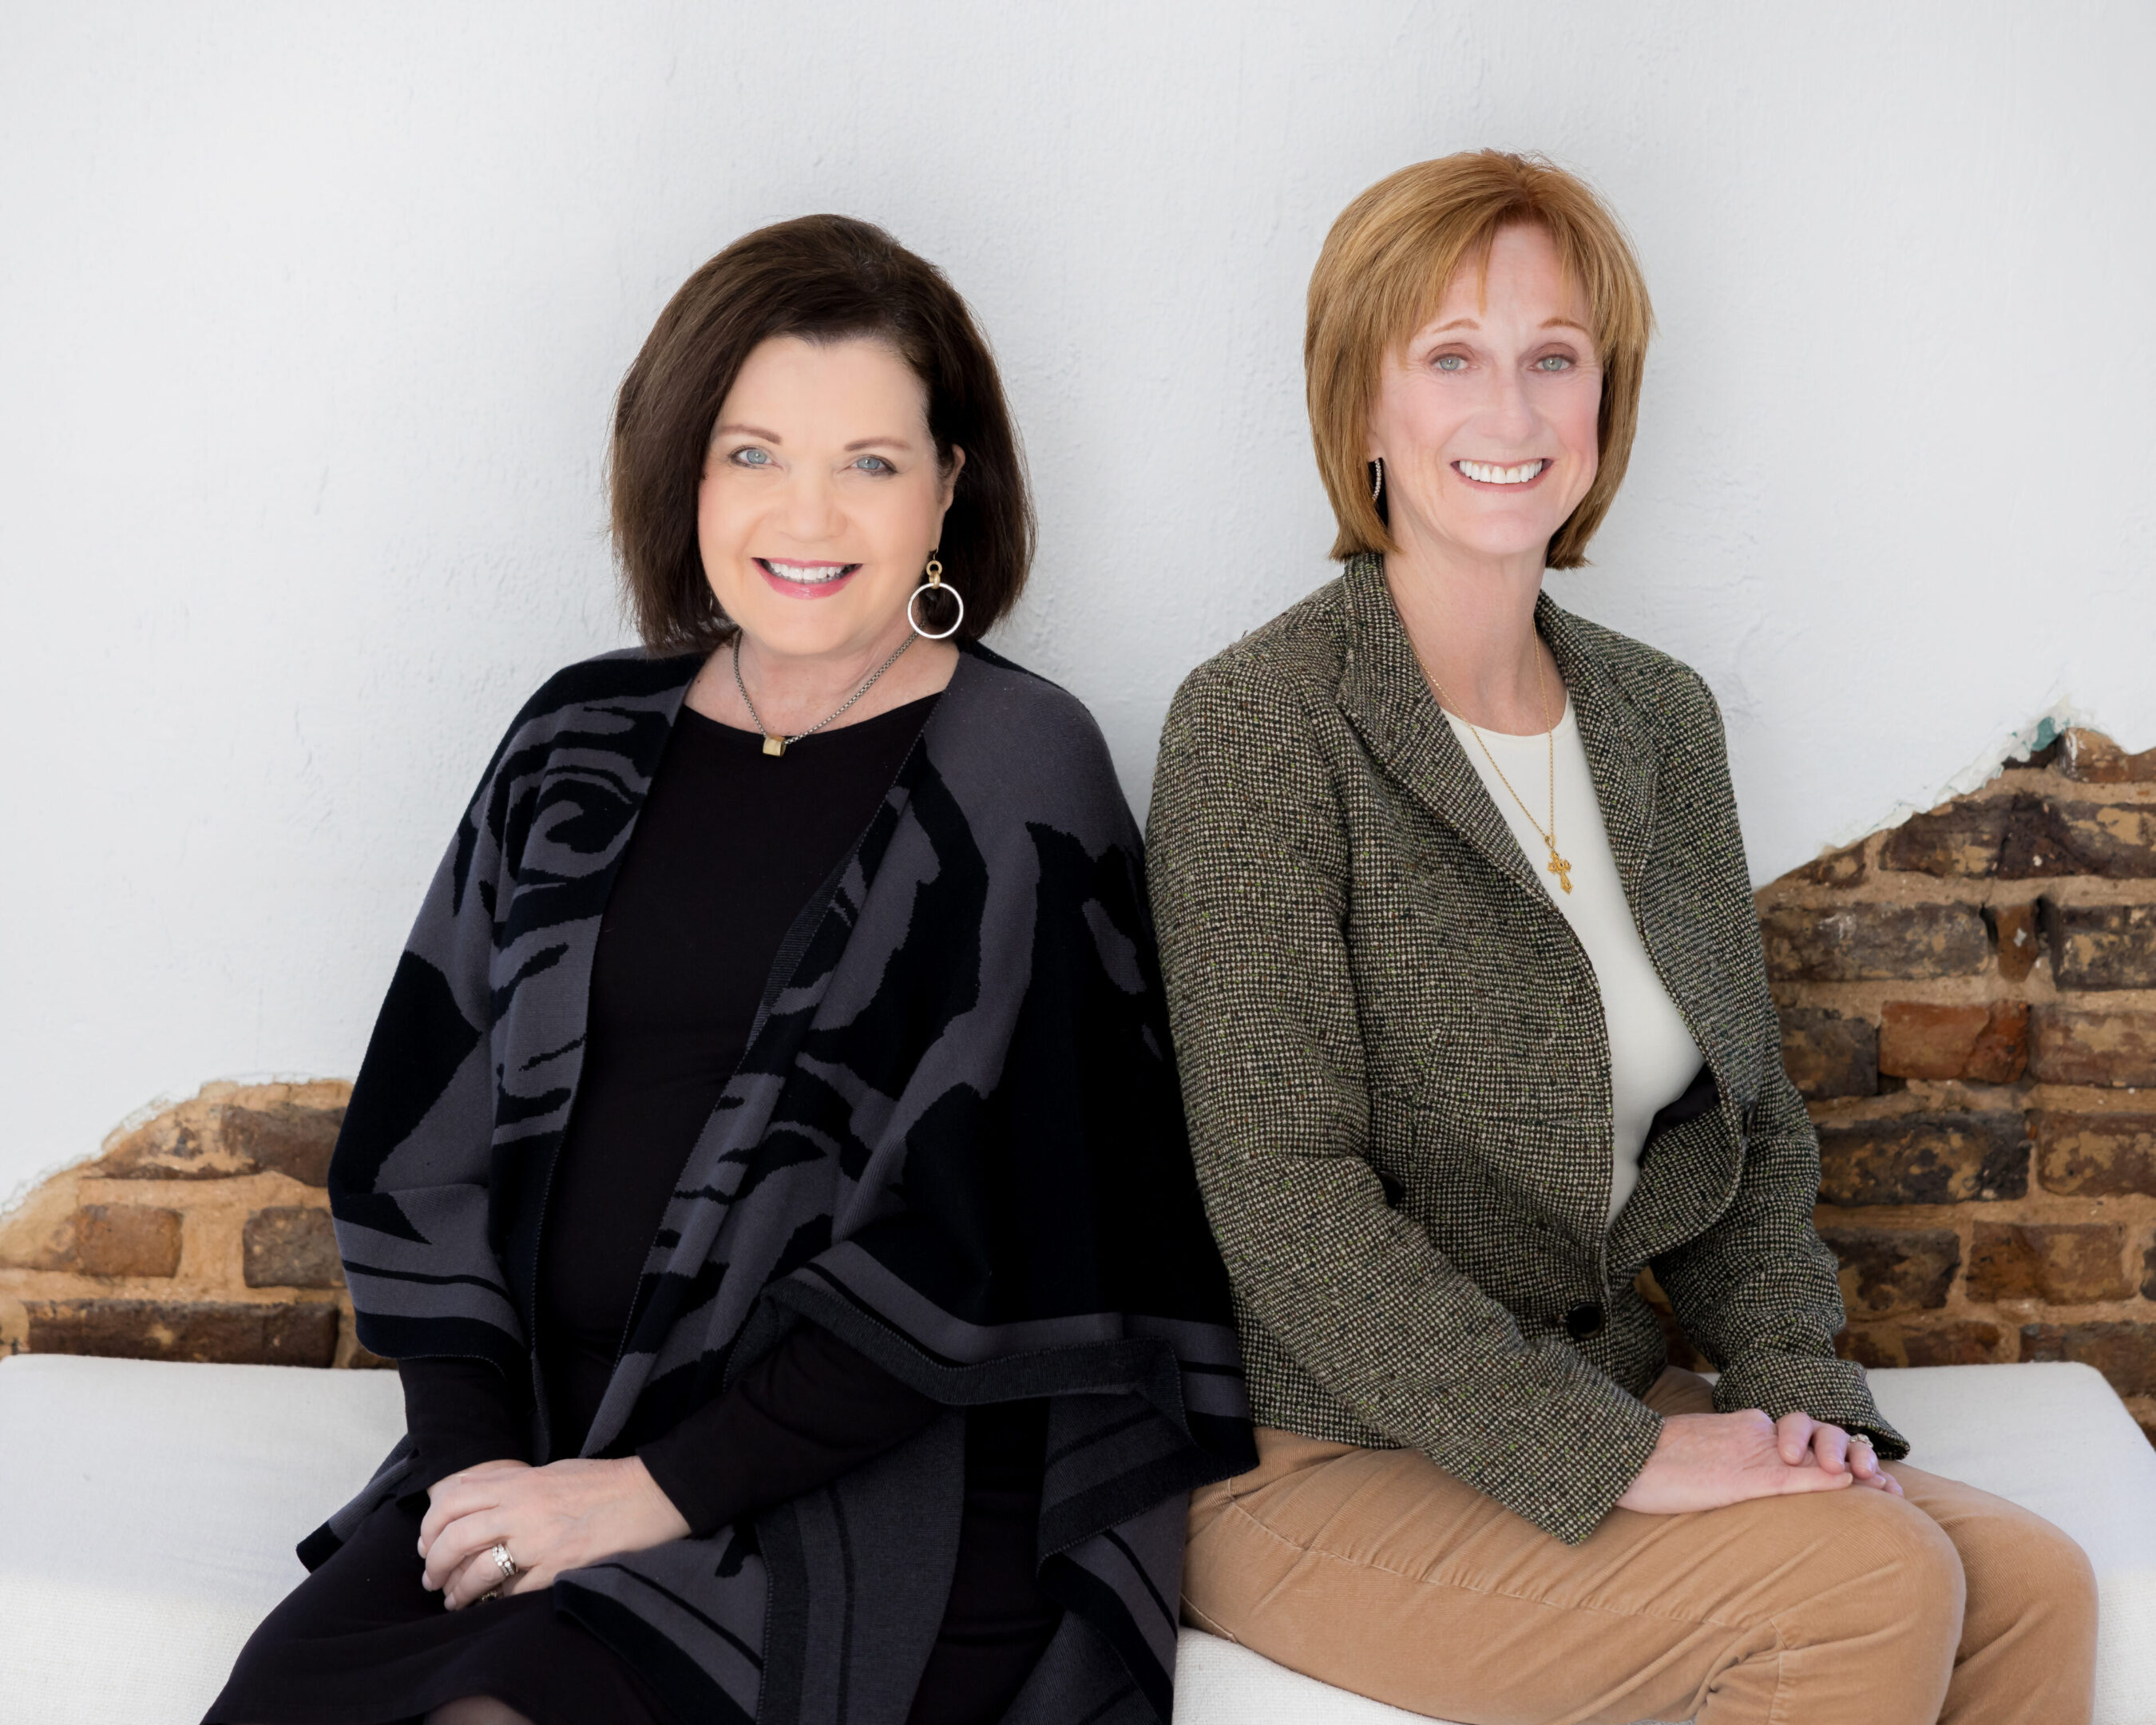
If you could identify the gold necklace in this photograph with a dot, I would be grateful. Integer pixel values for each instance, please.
(1558, 865)
(774, 743)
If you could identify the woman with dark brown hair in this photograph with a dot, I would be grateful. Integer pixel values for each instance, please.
(767, 1171)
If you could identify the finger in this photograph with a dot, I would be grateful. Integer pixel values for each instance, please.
(459, 1541)
(1813, 1478)
(460, 1494)
(474, 1579)
(1831, 1444)
(1793, 1437)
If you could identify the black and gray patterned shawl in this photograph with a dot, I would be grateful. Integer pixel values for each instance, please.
(955, 1140)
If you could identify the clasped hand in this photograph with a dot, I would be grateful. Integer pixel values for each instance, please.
(558, 1518)
(1708, 1460)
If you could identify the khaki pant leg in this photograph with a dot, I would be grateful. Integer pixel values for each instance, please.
(2027, 1644)
(1374, 1571)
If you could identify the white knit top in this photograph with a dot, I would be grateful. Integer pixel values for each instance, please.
(1652, 1057)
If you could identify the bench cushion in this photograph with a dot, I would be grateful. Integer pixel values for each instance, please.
(148, 1513)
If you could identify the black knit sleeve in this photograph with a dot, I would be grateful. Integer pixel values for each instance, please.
(460, 1413)
(810, 1410)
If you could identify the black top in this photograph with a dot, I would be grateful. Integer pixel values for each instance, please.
(731, 846)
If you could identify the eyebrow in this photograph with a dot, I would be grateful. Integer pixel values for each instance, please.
(1548, 323)
(772, 437)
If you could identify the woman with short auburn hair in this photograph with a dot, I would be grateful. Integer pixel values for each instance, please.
(767, 1172)
(1474, 1028)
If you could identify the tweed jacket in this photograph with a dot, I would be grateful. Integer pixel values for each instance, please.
(1397, 1073)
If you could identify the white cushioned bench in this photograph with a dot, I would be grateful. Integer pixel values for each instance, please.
(148, 1513)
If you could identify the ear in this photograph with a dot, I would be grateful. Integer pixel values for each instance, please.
(951, 474)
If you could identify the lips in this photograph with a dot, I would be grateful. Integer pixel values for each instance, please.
(807, 581)
(1492, 473)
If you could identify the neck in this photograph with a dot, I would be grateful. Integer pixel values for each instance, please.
(792, 691)
(1471, 620)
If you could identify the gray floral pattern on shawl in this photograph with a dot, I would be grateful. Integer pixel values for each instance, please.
(955, 1140)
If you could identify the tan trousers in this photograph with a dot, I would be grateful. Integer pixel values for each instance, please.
(1375, 1571)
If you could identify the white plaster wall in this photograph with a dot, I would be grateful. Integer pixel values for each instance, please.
(309, 315)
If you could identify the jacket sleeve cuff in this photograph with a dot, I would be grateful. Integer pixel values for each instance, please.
(1565, 1463)
(1829, 1389)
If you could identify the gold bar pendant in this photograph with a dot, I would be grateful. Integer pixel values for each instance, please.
(774, 745)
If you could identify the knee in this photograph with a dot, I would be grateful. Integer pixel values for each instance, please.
(1898, 1568)
(2023, 1570)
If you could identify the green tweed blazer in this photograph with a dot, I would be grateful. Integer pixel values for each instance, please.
(1397, 1073)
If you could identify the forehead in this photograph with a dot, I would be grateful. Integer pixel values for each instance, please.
(842, 378)
(1520, 275)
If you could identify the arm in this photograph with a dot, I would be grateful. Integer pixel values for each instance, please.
(461, 1413)
(1757, 1292)
(1249, 868)
(808, 1411)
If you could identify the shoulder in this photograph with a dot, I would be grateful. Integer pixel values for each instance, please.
(621, 703)
(1015, 745)
(1299, 655)
(628, 674)
(1663, 689)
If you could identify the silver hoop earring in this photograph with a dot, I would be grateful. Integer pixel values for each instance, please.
(934, 583)
(1377, 479)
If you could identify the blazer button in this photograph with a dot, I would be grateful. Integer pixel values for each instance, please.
(1583, 1320)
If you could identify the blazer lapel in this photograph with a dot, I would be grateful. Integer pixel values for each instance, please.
(1621, 754)
(1388, 700)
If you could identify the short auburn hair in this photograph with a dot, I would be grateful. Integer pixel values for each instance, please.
(1383, 274)
(824, 278)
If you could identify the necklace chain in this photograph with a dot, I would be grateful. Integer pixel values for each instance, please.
(774, 743)
(1558, 865)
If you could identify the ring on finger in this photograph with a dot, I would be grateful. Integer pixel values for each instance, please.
(505, 1563)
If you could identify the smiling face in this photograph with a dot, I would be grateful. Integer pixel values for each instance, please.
(822, 496)
(1485, 419)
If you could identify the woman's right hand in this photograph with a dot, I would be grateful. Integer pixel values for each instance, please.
(1707, 1460)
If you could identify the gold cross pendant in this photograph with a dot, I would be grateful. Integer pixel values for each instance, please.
(777, 746)
(1560, 868)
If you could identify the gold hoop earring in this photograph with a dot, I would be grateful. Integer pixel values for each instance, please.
(934, 583)
(1377, 479)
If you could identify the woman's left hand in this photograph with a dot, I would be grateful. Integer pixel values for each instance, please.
(561, 1517)
(1796, 1434)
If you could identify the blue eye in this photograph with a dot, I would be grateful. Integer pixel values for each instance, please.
(750, 458)
(875, 464)
(1553, 362)
(1451, 362)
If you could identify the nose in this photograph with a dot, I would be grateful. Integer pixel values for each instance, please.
(1507, 414)
(812, 511)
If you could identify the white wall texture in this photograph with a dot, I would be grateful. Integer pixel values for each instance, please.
(310, 316)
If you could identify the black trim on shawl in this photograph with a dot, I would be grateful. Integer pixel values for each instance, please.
(955, 1139)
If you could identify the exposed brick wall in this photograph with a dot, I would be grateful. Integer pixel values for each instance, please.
(203, 1234)
(1968, 1002)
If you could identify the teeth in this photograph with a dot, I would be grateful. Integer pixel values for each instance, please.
(807, 574)
(1490, 476)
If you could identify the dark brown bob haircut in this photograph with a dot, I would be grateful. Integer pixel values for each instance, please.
(1382, 275)
(822, 279)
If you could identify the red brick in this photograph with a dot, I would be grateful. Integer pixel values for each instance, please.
(2095, 1155)
(2063, 1264)
(1894, 1269)
(2014, 931)
(1833, 868)
(1931, 1158)
(2093, 759)
(1827, 1054)
(2125, 1352)
(1866, 942)
(1986, 1044)
(2018, 837)
(2101, 946)
(287, 1333)
(283, 1139)
(291, 1247)
(126, 1239)
(1948, 1342)
(2070, 1045)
